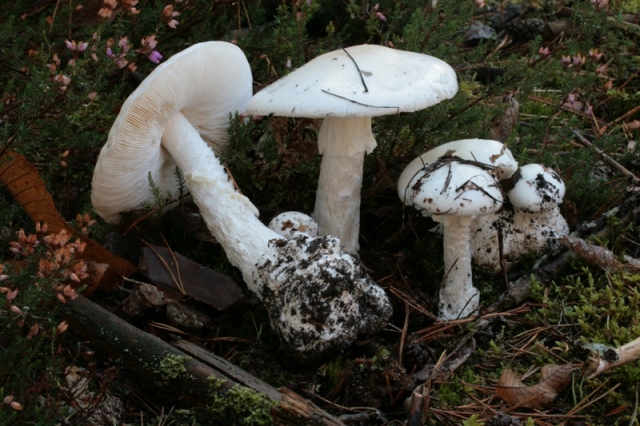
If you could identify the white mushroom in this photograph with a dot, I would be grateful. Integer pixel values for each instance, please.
(133, 153)
(454, 191)
(529, 224)
(485, 151)
(347, 87)
(291, 224)
(318, 298)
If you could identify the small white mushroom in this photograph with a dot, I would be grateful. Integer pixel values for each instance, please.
(485, 151)
(453, 191)
(319, 299)
(528, 224)
(291, 224)
(347, 87)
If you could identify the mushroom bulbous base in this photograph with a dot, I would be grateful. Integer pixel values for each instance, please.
(457, 305)
(319, 299)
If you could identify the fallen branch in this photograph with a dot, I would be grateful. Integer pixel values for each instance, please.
(144, 355)
(613, 163)
(612, 358)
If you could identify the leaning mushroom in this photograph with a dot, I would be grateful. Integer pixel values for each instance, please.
(133, 153)
(347, 87)
(318, 298)
(453, 191)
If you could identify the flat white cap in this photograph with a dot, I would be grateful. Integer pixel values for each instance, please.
(205, 82)
(359, 81)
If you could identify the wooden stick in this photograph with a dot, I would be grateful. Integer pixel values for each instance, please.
(614, 358)
(613, 163)
(142, 355)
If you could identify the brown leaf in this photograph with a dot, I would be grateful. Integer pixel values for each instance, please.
(514, 392)
(503, 127)
(201, 283)
(27, 187)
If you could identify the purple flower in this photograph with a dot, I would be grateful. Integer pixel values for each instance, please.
(154, 56)
(124, 44)
(82, 46)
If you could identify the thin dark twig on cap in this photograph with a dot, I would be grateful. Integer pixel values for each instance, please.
(366, 89)
(356, 102)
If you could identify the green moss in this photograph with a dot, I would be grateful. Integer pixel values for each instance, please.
(172, 366)
(239, 405)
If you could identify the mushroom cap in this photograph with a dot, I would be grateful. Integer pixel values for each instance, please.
(332, 85)
(455, 188)
(485, 151)
(205, 82)
(291, 224)
(537, 188)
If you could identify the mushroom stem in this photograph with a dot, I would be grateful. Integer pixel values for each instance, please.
(458, 297)
(229, 215)
(343, 143)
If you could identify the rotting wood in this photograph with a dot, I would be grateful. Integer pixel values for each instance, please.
(142, 355)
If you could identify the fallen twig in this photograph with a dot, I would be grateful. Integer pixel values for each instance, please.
(613, 163)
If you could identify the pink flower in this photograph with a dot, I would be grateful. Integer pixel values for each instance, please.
(578, 60)
(588, 110)
(168, 15)
(148, 48)
(124, 44)
(154, 56)
(565, 60)
(595, 54)
(381, 17)
(544, 52)
(601, 69)
(150, 42)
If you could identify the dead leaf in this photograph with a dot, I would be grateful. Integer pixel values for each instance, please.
(554, 378)
(201, 283)
(503, 127)
(26, 186)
